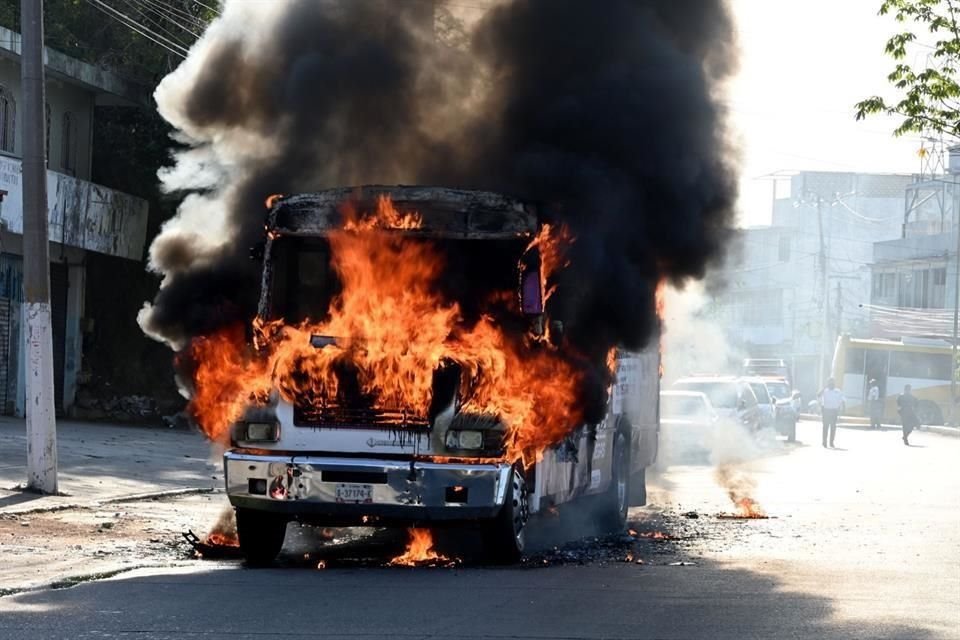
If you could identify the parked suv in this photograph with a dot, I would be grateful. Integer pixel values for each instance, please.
(786, 407)
(765, 401)
(731, 397)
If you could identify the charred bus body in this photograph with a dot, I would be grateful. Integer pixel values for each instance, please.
(347, 461)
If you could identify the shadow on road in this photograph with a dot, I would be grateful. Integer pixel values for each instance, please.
(613, 601)
(19, 498)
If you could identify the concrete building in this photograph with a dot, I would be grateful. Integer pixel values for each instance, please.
(84, 217)
(915, 275)
(788, 289)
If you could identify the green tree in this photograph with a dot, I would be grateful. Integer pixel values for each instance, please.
(929, 95)
(141, 40)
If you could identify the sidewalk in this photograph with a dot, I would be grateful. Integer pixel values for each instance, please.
(863, 424)
(101, 463)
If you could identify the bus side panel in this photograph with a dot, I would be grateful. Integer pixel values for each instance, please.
(637, 399)
(578, 465)
(936, 391)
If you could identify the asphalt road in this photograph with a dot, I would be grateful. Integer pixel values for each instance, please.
(863, 542)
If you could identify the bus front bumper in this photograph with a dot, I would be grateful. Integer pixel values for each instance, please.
(365, 490)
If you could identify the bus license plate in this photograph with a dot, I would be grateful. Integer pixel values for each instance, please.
(356, 493)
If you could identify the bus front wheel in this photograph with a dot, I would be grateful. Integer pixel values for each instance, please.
(929, 413)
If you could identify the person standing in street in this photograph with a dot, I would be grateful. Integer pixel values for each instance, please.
(831, 404)
(875, 405)
(907, 407)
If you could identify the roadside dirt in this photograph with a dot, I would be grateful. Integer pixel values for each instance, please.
(61, 548)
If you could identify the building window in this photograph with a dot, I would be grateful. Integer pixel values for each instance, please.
(889, 285)
(784, 249)
(68, 146)
(884, 288)
(8, 113)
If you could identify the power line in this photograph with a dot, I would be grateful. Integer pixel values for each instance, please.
(169, 12)
(207, 7)
(139, 28)
(173, 37)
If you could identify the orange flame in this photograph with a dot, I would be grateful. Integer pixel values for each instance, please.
(654, 535)
(272, 200)
(222, 540)
(660, 302)
(551, 240)
(386, 216)
(398, 330)
(224, 531)
(739, 486)
(748, 508)
(419, 550)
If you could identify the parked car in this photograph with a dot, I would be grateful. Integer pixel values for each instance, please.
(687, 423)
(786, 407)
(765, 401)
(730, 397)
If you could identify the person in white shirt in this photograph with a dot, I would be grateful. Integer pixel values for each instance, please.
(875, 405)
(831, 404)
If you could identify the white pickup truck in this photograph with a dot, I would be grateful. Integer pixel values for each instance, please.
(338, 464)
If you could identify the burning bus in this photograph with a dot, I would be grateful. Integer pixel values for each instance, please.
(404, 370)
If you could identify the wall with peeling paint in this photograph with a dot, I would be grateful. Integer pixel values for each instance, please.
(81, 214)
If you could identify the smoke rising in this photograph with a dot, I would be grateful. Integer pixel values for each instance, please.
(694, 341)
(606, 115)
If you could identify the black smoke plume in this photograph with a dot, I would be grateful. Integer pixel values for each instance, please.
(608, 115)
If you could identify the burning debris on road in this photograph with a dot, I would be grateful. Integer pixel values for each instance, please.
(420, 552)
(739, 486)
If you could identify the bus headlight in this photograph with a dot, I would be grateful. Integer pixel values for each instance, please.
(256, 432)
(465, 439)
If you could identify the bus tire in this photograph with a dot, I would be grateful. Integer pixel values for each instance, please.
(261, 536)
(929, 412)
(504, 537)
(614, 503)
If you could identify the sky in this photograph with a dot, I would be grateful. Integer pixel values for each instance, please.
(803, 66)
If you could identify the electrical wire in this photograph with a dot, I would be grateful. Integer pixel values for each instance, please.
(169, 34)
(137, 27)
(174, 14)
(207, 7)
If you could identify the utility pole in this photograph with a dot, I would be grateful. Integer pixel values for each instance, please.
(824, 295)
(839, 307)
(956, 306)
(41, 419)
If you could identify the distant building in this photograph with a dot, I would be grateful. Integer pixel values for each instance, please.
(915, 275)
(790, 288)
(84, 217)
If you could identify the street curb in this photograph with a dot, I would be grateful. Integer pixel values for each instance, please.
(953, 432)
(93, 504)
(76, 580)
(157, 495)
(944, 431)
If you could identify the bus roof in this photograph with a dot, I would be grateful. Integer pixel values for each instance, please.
(921, 345)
